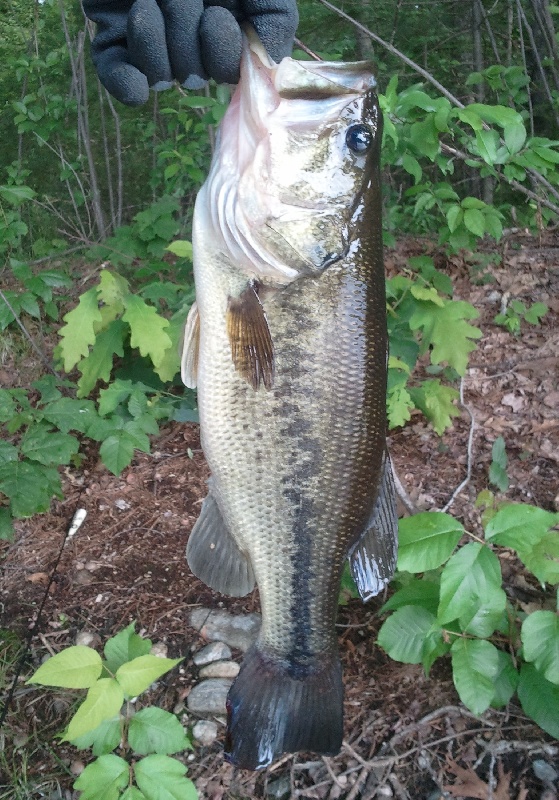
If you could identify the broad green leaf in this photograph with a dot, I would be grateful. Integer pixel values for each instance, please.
(515, 136)
(496, 114)
(103, 779)
(471, 118)
(147, 329)
(30, 487)
(543, 559)
(535, 312)
(15, 195)
(133, 793)
(520, 526)
(428, 293)
(181, 248)
(78, 334)
(447, 331)
(117, 451)
(137, 675)
(540, 640)
(471, 590)
(454, 217)
(539, 699)
(115, 394)
(488, 144)
(153, 730)
(7, 452)
(99, 363)
(406, 633)
(103, 701)
(163, 778)
(75, 667)
(474, 220)
(437, 403)
(112, 289)
(498, 469)
(103, 739)
(475, 667)
(125, 646)
(169, 364)
(69, 414)
(427, 540)
(505, 682)
(425, 137)
(419, 592)
(40, 443)
(412, 166)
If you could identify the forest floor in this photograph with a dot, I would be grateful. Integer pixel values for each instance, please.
(406, 735)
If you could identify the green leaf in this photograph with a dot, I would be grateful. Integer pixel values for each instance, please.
(75, 667)
(498, 469)
(115, 394)
(446, 331)
(515, 136)
(412, 166)
(30, 487)
(543, 559)
(437, 403)
(408, 633)
(103, 739)
(6, 525)
(70, 415)
(103, 779)
(99, 363)
(133, 793)
(474, 221)
(40, 443)
(7, 452)
(103, 701)
(535, 312)
(137, 675)
(454, 217)
(153, 730)
(475, 667)
(112, 289)
(147, 329)
(181, 248)
(540, 640)
(419, 592)
(505, 682)
(488, 144)
(163, 778)
(15, 195)
(117, 451)
(125, 646)
(520, 526)
(539, 699)
(471, 590)
(427, 540)
(78, 334)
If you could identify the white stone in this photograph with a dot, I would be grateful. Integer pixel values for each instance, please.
(209, 697)
(205, 732)
(220, 669)
(215, 651)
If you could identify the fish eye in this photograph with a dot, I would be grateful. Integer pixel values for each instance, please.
(359, 138)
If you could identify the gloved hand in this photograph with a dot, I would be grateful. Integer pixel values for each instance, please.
(149, 43)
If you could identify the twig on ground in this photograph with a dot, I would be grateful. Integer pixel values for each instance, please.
(331, 772)
(468, 477)
(407, 502)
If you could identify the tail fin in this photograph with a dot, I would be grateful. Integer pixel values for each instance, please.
(274, 708)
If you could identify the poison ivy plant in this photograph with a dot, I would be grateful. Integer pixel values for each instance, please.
(109, 718)
(451, 601)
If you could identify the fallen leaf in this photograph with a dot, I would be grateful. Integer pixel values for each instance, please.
(38, 577)
(470, 785)
(513, 400)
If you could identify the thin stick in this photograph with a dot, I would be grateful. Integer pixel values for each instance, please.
(468, 477)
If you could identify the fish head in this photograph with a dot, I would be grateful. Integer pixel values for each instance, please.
(298, 154)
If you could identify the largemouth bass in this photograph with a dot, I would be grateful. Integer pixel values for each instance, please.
(287, 345)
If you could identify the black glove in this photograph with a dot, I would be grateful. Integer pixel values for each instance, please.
(149, 43)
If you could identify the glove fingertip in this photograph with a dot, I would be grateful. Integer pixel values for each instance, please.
(222, 44)
(127, 84)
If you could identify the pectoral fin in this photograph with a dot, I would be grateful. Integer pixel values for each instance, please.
(214, 556)
(372, 559)
(190, 348)
(252, 349)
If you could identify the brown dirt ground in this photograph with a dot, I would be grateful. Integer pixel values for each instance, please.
(404, 732)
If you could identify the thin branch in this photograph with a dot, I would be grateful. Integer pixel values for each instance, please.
(468, 477)
(28, 336)
(391, 49)
(407, 502)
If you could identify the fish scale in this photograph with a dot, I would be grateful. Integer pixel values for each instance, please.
(291, 376)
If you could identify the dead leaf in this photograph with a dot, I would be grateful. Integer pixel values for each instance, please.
(38, 577)
(513, 400)
(470, 785)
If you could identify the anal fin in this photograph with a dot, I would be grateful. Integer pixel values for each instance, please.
(372, 559)
(252, 349)
(214, 556)
(191, 348)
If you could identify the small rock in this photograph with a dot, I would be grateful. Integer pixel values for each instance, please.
(209, 697)
(279, 788)
(220, 669)
(77, 767)
(159, 649)
(384, 791)
(88, 639)
(215, 651)
(205, 732)
(122, 505)
(494, 297)
(238, 631)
